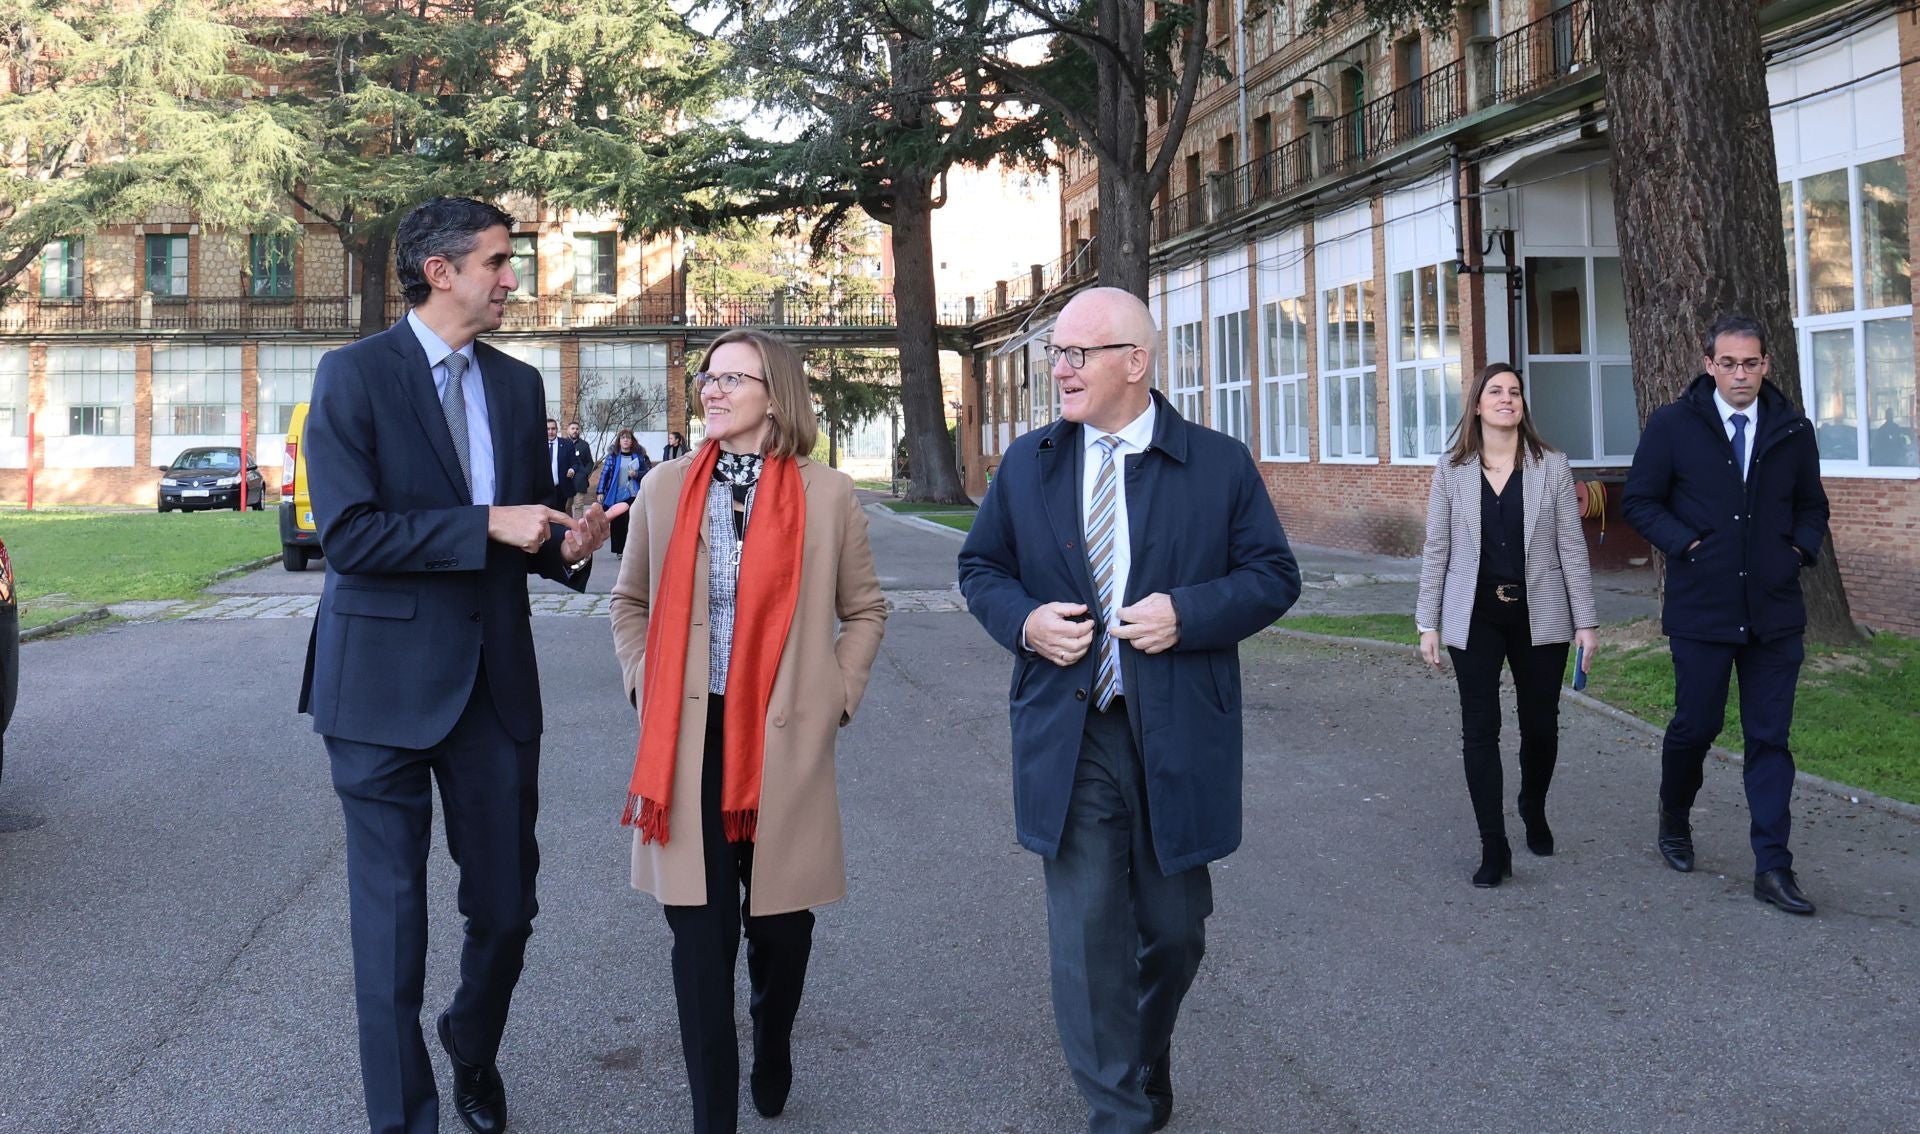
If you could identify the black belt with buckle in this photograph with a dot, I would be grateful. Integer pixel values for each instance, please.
(1508, 592)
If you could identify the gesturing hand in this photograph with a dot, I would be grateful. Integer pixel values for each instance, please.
(526, 526)
(1052, 633)
(585, 539)
(1152, 624)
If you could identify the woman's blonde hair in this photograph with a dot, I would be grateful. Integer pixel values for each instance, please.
(793, 428)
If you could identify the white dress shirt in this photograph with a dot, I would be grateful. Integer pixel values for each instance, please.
(479, 435)
(1726, 422)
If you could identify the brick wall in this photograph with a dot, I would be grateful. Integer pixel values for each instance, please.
(1876, 531)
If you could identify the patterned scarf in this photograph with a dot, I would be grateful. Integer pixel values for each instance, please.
(769, 590)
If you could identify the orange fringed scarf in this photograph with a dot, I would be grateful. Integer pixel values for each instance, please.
(768, 592)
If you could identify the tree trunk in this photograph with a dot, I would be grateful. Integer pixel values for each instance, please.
(373, 255)
(1696, 194)
(935, 475)
(1126, 191)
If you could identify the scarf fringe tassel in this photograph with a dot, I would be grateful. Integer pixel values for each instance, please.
(650, 819)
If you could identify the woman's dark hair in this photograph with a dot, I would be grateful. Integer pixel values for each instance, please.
(1467, 441)
(626, 435)
(446, 227)
(642, 451)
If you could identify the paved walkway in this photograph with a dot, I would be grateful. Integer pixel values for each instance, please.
(174, 930)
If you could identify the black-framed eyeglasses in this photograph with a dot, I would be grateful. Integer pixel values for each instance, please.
(728, 383)
(1077, 355)
(1750, 365)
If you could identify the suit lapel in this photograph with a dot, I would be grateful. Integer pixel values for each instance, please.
(1467, 482)
(416, 383)
(1060, 459)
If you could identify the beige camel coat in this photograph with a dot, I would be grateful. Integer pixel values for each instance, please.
(823, 671)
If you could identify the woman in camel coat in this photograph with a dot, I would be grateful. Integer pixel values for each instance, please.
(733, 789)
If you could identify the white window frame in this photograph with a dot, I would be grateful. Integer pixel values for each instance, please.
(1806, 326)
(544, 357)
(90, 385)
(15, 375)
(1286, 316)
(1349, 385)
(179, 251)
(625, 364)
(1230, 409)
(1431, 369)
(1596, 361)
(1185, 383)
(590, 265)
(196, 384)
(67, 268)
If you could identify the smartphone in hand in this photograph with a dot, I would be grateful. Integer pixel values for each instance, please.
(1579, 670)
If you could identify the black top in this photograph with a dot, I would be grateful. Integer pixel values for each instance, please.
(1502, 532)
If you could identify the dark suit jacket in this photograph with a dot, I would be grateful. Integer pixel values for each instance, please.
(416, 595)
(1744, 579)
(1202, 530)
(581, 461)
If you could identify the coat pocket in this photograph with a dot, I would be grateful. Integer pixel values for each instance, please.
(372, 604)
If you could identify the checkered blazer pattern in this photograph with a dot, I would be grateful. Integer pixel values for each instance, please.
(1559, 583)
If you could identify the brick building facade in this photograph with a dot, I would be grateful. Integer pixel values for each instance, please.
(1356, 222)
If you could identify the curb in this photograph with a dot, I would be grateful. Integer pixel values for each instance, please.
(58, 625)
(1832, 787)
(100, 612)
(916, 521)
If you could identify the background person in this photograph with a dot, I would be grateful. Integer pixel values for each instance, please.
(675, 448)
(421, 666)
(1726, 482)
(1504, 580)
(620, 476)
(745, 652)
(580, 489)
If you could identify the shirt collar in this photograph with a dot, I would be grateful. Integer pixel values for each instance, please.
(1135, 436)
(1727, 411)
(436, 347)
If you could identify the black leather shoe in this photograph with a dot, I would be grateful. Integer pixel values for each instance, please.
(1496, 862)
(1160, 1090)
(1676, 841)
(1777, 887)
(771, 1080)
(478, 1094)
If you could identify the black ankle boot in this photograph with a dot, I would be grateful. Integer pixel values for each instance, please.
(1539, 835)
(1676, 840)
(772, 1077)
(1496, 861)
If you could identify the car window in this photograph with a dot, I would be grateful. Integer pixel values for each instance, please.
(219, 460)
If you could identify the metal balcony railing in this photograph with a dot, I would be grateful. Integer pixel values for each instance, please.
(1397, 117)
(1534, 56)
(1272, 174)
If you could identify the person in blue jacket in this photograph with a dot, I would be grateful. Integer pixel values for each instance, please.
(1121, 555)
(1726, 482)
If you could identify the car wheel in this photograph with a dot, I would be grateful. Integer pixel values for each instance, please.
(259, 503)
(294, 557)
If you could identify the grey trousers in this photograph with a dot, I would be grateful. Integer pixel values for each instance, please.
(1126, 940)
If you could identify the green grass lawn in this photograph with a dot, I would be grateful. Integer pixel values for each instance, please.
(960, 520)
(916, 506)
(69, 560)
(1856, 716)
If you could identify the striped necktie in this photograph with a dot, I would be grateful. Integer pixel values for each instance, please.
(1103, 521)
(453, 403)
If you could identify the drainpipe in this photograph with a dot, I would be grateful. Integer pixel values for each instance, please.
(1240, 77)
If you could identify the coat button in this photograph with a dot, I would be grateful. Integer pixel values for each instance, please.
(474, 617)
(1079, 694)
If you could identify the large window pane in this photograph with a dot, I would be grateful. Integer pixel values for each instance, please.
(526, 264)
(1269, 340)
(1891, 441)
(1404, 301)
(1331, 357)
(1429, 284)
(1432, 408)
(1455, 395)
(1609, 307)
(1296, 312)
(1350, 342)
(1619, 419)
(1365, 320)
(1450, 313)
(1556, 305)
(1560, 398)
(1824, 205)
(1836, 422)
(1409, 409)
(1886, 260)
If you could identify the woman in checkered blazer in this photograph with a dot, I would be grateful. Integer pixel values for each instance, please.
(1504, 580)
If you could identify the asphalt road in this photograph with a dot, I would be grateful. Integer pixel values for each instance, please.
(173, 948)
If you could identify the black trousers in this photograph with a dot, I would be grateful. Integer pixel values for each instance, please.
(706, 942)
(1499, 635)
(1769, 674)
(617, 529)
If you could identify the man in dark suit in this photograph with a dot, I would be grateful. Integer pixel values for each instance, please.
(424, 458)
(581, 461)
(1121, 555)
(559, 468)
(1726, 481)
